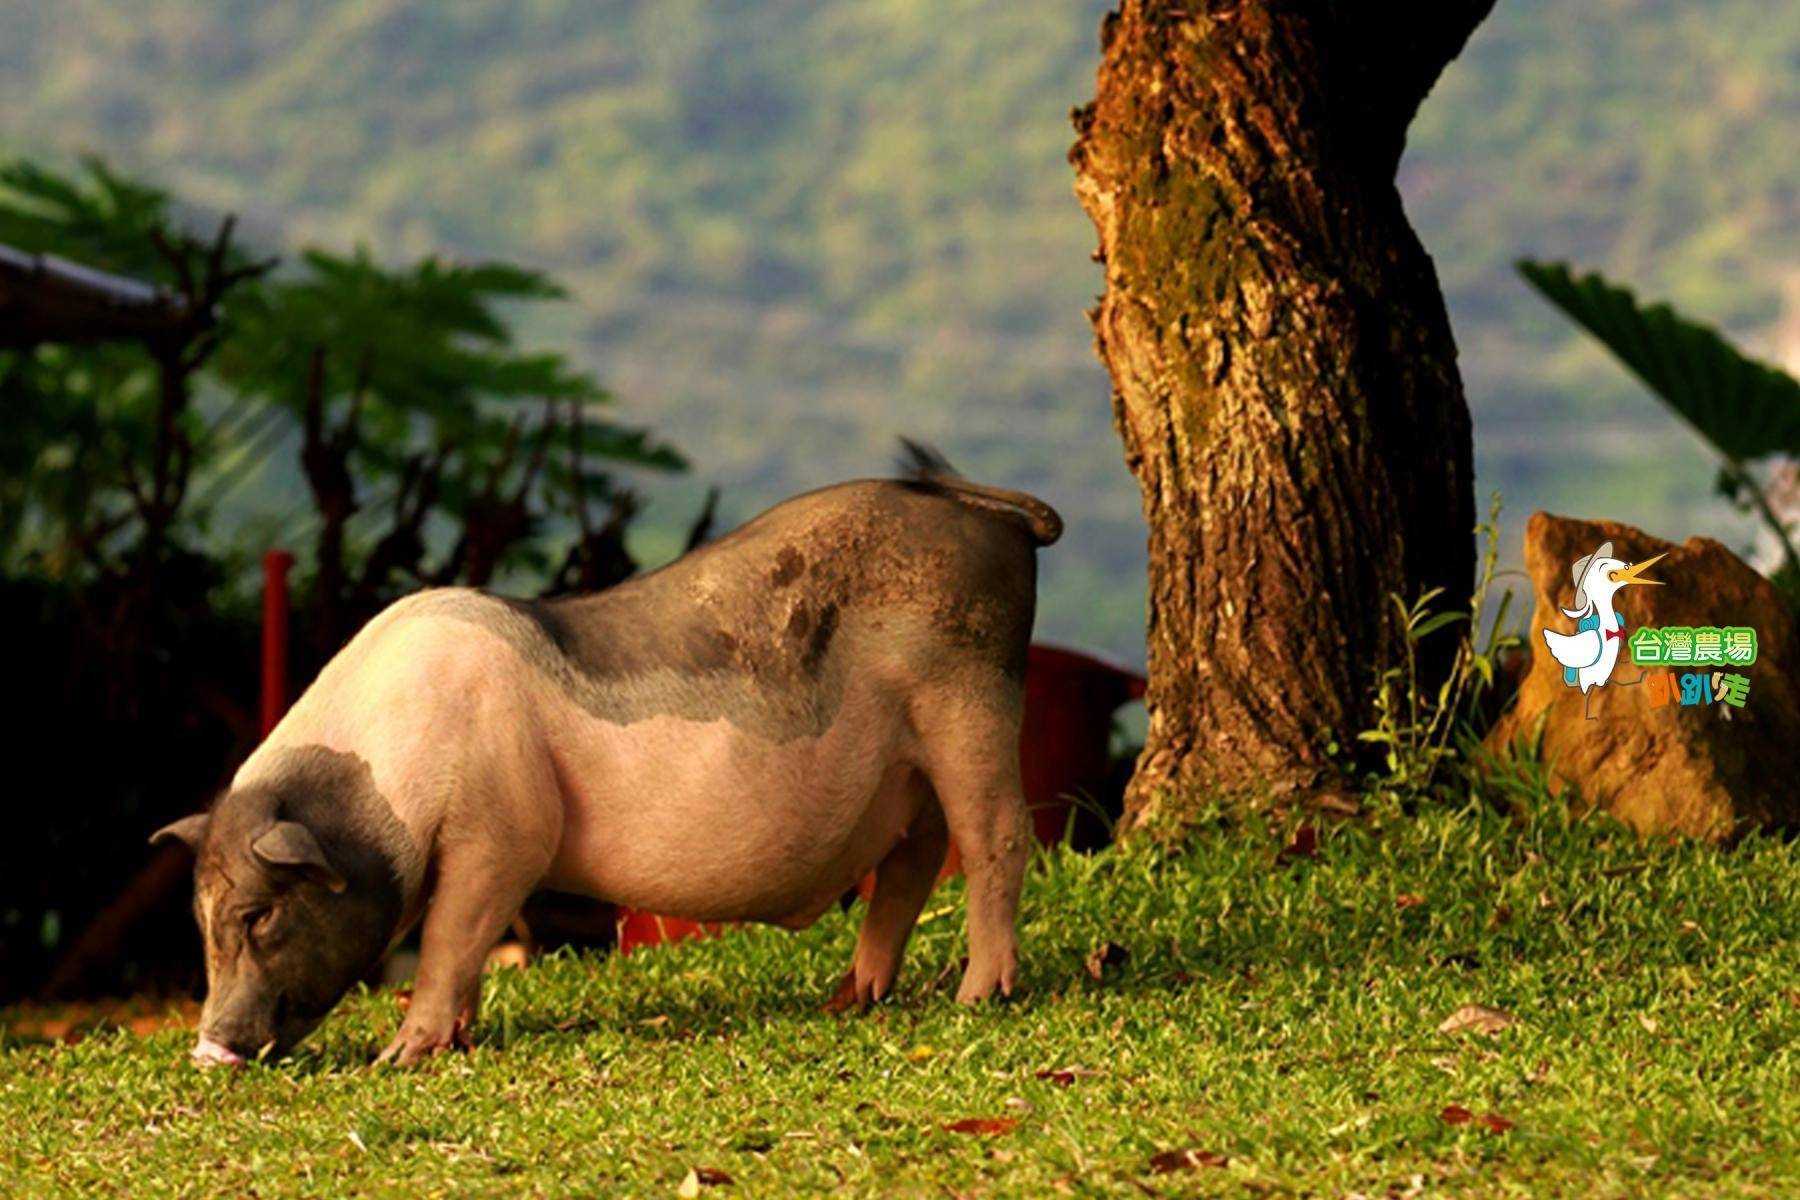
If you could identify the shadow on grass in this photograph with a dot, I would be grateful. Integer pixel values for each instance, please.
(1472, 895)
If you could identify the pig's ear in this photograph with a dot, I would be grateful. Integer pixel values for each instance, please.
(190, 831)
(291, 845)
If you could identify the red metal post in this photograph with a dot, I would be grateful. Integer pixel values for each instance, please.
(275, 637)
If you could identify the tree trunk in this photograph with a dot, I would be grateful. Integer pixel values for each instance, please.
(1284, 377)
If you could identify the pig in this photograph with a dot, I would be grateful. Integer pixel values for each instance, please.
(832, 689)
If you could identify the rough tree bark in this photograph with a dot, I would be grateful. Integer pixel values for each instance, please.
(1284, 378)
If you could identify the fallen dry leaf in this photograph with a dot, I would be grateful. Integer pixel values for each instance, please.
(1477, 1018)
(1648, 1022)
(920, 1053)
(1408, 900)
(1456, 1114)
(986, 1126)
(1304, 845)
(1186, 1160)
(699, 1177)
(1107, 954)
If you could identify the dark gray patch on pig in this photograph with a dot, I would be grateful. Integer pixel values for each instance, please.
(730, 632)
(334, 795)
(818, 640)
(788, 567)
(274, 981)
(800, 624)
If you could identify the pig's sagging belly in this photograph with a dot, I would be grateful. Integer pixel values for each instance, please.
(705, 820)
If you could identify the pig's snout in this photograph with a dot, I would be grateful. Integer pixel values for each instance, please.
(209, 1053)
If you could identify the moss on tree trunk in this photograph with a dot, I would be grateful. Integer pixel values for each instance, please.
(1284, 377)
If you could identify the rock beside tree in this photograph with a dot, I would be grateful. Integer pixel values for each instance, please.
(1704, 770)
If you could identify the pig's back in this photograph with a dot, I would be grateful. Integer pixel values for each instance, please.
(758, 627)
(789, 583)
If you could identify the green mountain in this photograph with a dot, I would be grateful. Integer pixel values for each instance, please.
(795, 229)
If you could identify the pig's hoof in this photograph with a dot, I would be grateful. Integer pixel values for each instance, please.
(978, 986)
(415, 1044)
(848, 998)
(974, 997)
(855, 994)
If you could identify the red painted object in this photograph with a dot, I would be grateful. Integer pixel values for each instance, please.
(1070, 699)
(275, 637)
(1066, 739)
(638, 929)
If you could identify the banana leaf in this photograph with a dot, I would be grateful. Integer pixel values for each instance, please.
(1745, 408)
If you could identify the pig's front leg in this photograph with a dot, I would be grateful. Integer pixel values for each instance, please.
(479, 891)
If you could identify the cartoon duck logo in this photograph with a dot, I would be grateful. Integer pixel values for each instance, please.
(1589, 655)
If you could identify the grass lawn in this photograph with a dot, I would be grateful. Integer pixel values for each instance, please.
(1280, 1020)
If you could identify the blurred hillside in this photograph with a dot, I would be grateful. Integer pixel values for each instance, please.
(795, 229)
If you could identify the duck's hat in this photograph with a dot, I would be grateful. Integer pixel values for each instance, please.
(1580, 572)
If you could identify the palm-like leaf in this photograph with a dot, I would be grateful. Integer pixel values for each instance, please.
(1745, 408)
(95, 217)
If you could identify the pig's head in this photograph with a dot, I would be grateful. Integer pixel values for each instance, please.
(295, 904)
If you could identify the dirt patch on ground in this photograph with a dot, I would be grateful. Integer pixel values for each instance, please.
(72, 1022)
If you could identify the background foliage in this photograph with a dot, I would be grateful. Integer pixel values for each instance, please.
(793, 228)
(136, 513)
(1745, 409)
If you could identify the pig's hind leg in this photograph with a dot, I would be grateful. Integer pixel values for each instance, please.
(903, 881)
(971, 741)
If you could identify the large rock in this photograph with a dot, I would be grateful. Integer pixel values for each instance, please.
(1689, 769)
